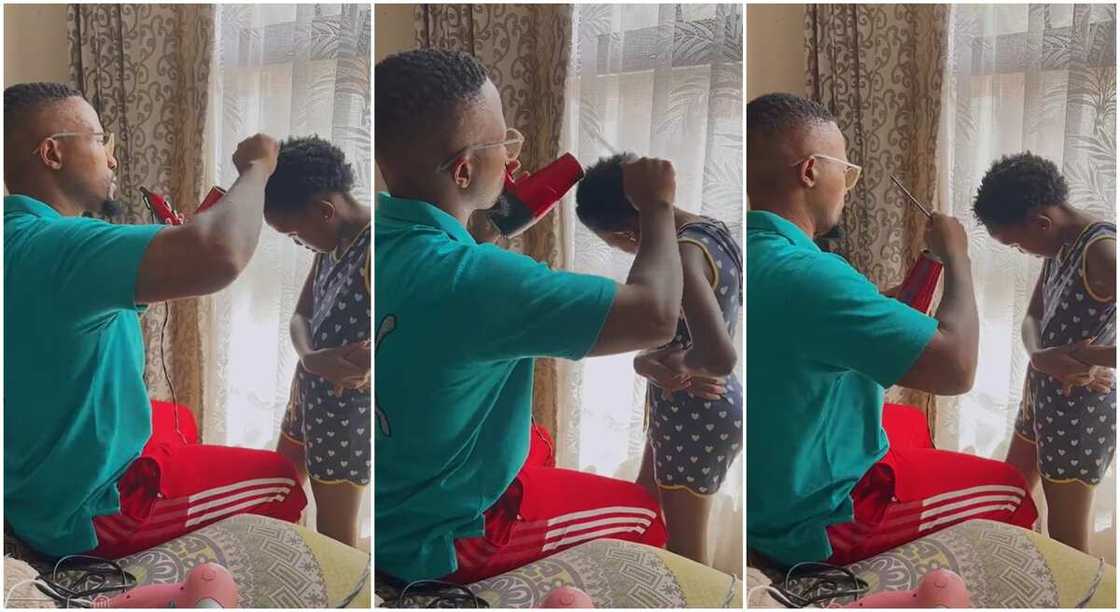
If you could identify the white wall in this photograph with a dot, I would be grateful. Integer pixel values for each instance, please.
(775, 49)
(393, 31)
(35, 43)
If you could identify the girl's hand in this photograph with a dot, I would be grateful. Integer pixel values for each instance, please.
(650, 366)
(705, 387)
(1098, 379)
(708, 388)
(1059, 364)
(344, 366)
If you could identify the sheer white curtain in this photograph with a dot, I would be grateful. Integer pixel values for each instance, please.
(284, 70)
(1039, 78)
(667, 81)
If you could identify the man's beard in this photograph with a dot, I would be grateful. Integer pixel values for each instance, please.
(112, 208)
(108, 209)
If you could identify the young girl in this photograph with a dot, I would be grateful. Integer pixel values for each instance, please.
(695, 403)
(326, 430)
(1066, 428)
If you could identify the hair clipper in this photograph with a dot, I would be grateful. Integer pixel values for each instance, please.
(162, 209)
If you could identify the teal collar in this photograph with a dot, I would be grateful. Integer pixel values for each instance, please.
(421, 213)
(761, 220)
(30, 206)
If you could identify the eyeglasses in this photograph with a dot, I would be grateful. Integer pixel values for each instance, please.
(851, 171)
(512, 143)
(108, 140)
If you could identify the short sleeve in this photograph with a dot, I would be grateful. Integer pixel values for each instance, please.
(92, 265)
(842, 320)
(521, 308)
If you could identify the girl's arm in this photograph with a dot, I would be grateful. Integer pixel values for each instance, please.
(1100, 280)
(1103, 356)
(1100, 270)
(300, 325)
(712, 353)
(1032, 323)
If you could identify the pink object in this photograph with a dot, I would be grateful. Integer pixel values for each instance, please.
(938, 589)
(207, 586)
(567, 597)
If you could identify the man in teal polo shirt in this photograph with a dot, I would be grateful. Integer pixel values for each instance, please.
(832, 475)
(76, 411)
(464, 485)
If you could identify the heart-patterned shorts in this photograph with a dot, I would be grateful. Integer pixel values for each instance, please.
(694, 440)
(333, 428)
(1075, 435)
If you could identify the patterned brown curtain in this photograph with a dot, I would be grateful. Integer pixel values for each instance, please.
(878, 68)
(145, 68)
(525, 48)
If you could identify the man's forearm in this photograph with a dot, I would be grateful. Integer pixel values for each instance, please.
(957, 313)
(235, 224)
(657, 265)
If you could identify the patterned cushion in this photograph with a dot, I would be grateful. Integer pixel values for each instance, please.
(275, 564)
(615, 574)
(1004, 567)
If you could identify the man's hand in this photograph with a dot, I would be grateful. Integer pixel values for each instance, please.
(648, 183)
(893, 291)
(259, 149)
(946, 237)
(345, 366)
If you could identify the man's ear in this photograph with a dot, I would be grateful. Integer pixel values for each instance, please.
(1044, 221)
(50, 153)
(462, 173)
(807, 173)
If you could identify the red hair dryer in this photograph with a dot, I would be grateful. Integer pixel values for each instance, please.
(528, 199)
(167, 215)
(921, 282)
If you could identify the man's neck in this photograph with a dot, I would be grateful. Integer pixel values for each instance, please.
(793, 212)
(448, 203)
(52, 196)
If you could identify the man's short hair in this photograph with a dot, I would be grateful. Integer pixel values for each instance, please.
(601, 202)
(780, 113)
(1014, 186)
(422, 92)
(305, 168)
(22, 99)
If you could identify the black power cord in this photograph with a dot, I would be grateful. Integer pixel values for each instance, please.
(443, 595)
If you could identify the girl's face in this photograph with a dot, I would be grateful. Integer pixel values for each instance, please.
(624, 241)
(1036, 236)
(314, 226)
